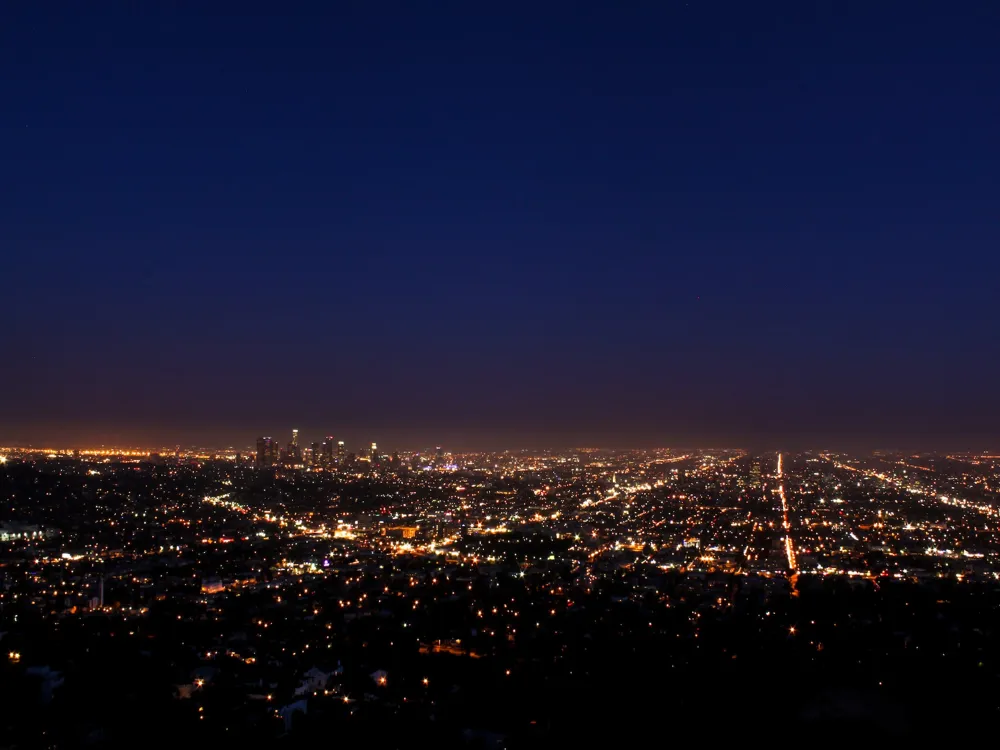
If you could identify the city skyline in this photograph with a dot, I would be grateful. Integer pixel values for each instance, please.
(468, 442)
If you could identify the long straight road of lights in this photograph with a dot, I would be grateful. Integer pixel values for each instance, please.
(789, 547)
(916, 488)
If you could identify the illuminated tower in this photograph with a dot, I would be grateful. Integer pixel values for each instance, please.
(295, 438)
(341, 452)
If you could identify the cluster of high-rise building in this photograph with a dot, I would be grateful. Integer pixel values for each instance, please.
(327, 453)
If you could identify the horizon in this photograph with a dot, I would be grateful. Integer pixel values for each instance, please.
(390, 440)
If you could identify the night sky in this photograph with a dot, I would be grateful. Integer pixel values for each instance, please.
(501, 224)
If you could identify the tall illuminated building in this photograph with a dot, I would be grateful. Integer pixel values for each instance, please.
(341, 452)
(292, 453)
(266, 449)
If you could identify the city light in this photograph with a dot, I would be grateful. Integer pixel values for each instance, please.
(337, 557)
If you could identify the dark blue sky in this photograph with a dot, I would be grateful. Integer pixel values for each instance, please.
(501, 223)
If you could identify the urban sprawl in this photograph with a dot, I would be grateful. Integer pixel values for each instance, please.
(285, 592)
